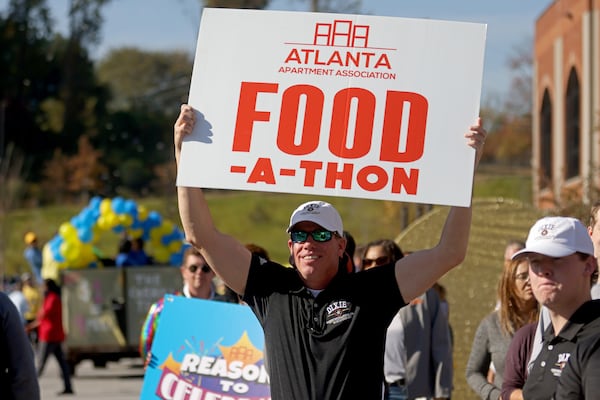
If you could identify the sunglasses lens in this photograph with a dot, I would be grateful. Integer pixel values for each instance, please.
(321, 236)
(193, 268)
(299, 236)
(318, 236)
(377, 261)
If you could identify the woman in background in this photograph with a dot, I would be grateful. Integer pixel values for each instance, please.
(51, 333)
(517, 307)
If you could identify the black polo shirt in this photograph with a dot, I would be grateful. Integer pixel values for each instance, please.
(325, 348)
(547, 368)
(580, 378)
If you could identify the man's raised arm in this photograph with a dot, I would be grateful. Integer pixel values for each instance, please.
(420, 270)
(229, 258)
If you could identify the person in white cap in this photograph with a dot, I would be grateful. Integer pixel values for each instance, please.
(562, 269)
(324, 327)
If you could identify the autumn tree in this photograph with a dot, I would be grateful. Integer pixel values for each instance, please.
(76, 177)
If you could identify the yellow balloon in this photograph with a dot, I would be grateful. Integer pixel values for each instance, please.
(142, 213)
(166, 227)
(161, 254)
(155, 235)
(111, 219)
(135, 233)
(103, 223)
(125, 219)
(70, 251)
(67, 231)
(175, 246)
(105, 206)
(87, 254)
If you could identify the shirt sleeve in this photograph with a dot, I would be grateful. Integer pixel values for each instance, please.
(149, 329)
(441, 347)
(517, 357)
(479, 364)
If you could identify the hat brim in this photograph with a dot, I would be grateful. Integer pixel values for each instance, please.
(548, 250)
(310, 218)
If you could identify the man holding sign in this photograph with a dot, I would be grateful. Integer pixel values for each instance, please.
(324, 327)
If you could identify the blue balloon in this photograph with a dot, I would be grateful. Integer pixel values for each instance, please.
(118, 205)
(55, 243)
(77, 221)
(95, 202)
(131, 208)
(154, 219)
(176, 259)
(85, 234)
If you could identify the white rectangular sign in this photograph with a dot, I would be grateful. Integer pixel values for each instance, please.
(332, 104)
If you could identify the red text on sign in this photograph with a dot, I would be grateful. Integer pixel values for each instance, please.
(310, 132)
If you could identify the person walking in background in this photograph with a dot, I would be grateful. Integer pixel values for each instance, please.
(324, 327)
(418, 345)
(516, 307)
(51, 333)
(33, 296)
(562, 270)
(33, 255)
(18, 298)
(197, 278)
(18, 378)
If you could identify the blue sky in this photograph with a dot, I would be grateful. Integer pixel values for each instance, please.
(173, 24)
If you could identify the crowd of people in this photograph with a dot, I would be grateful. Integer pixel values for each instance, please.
(31, 324)
(363, 321)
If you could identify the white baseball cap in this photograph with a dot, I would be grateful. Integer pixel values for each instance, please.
(319, 212)
(557, 237)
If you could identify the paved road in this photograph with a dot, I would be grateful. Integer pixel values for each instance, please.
(118, 381)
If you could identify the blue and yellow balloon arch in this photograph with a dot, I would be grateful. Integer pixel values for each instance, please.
(74, 244)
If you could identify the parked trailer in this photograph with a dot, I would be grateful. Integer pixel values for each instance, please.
(104, 309)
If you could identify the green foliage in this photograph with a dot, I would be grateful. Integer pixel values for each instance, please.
(159, 82)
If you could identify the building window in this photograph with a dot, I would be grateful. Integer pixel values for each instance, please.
(546, 141)
(572, 129)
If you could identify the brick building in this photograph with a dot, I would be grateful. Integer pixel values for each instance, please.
(566, 103)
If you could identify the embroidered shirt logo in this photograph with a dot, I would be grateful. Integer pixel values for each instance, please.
(339, 311)
(560, 364)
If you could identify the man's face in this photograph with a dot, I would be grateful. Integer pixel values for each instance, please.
(317, 262)
(196, 274)
(559, 281)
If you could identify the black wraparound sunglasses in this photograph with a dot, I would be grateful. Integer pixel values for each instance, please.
(319, 235)
(193, 268)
